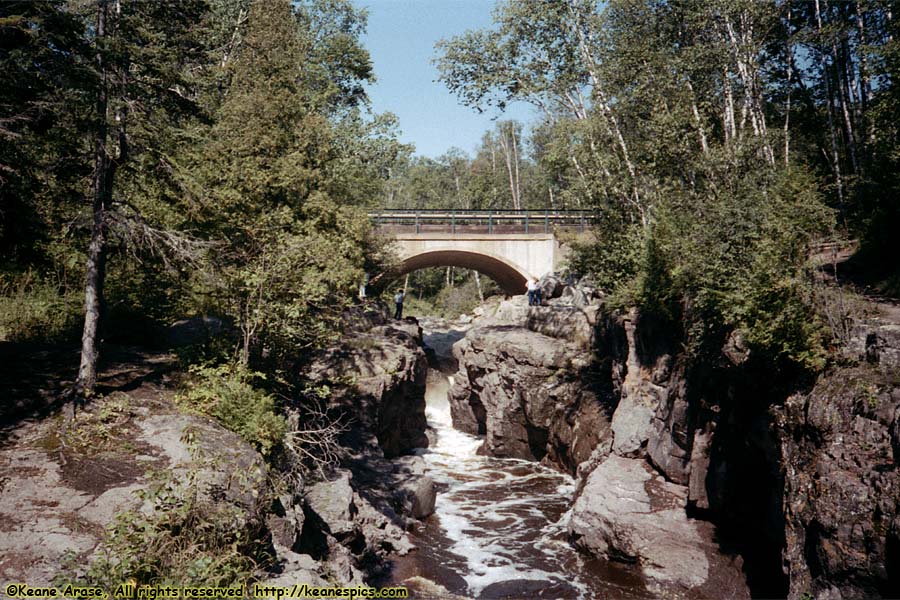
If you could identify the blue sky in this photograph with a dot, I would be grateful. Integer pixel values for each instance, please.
(400, 39)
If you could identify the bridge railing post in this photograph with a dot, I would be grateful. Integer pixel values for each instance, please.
(526, 221)
(417, 221)
(546, 220)
(453, 221)
(491, 222)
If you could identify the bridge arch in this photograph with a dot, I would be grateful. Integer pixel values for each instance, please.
(508, 276)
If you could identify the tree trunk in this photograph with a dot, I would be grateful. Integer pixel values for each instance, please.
(585, 46)
(478, 284)
(101, 189)
(728, 121)
(835, 158)
(744, 51)
(93, 304)
(704, 146)
(838, 62)
(232, 46)
(510, 157)
(790, 73)
(865, 91)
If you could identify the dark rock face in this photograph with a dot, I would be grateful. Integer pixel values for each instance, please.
(379, 376)
(527, 381)
(576, 387)
(842, 485)
(354, 521)
(707, 471)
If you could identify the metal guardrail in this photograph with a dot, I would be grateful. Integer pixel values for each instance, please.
(481, 221)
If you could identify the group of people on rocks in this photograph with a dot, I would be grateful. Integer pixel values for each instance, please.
(533, 287)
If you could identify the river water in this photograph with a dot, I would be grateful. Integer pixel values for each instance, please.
(499, 528)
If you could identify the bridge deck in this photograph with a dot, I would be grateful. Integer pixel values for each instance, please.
(481, 221)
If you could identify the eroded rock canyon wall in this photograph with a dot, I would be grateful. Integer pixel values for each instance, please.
(712, 473)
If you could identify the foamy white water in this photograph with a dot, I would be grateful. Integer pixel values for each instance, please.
(503, 517)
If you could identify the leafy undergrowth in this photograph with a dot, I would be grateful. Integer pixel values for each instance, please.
(226, 393)
(33, 309)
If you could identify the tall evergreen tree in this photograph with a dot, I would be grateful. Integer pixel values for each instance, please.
(139, 51)
(293, 255)
(41, 57)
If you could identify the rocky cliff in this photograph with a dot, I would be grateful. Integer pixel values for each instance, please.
(528, 381)
(376, 382)
(706, 470)
(183, 481)
(376, 376)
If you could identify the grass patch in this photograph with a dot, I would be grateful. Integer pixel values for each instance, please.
(32, 309)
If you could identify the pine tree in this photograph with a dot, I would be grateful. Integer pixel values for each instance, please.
(139, 51)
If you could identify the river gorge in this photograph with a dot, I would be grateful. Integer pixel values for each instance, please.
(581, 454)
(499, 528)
(562, 451)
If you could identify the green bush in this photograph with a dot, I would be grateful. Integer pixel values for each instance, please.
(729, 255)
(455, 301)
(225, 392)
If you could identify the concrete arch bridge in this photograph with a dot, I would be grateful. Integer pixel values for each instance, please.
(508, 246)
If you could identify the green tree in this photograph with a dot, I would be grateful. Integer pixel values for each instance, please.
(41, 103)
(293, 256)
(662, 116)
(139, 51)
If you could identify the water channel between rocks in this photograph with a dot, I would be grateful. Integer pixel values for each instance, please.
(499, 528)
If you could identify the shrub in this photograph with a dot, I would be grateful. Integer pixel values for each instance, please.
(225, 392)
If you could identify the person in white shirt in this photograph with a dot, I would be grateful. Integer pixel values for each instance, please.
(398, 302)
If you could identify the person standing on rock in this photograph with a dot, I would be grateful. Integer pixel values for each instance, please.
(398, 302)
(531, 285)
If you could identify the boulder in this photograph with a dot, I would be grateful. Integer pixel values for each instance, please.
(424, 495)
(626, 511)
(551, 286)
(286, 520)
(631, 423)
(226, 468)
(641, 396)
(333, 502)
(569, 323)
(295, 568)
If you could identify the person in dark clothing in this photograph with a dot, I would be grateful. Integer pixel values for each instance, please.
(398, 302)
